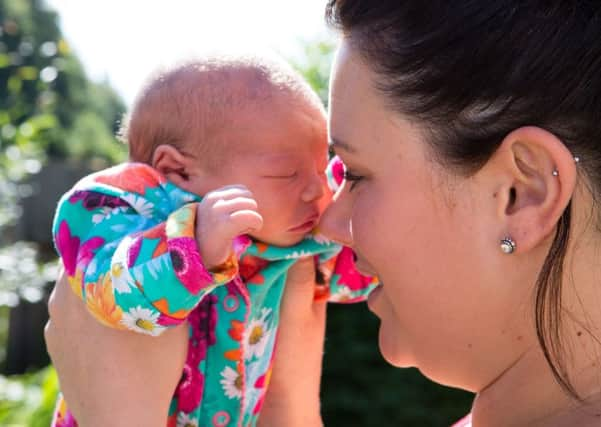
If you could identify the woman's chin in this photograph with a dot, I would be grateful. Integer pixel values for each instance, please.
(393, 351)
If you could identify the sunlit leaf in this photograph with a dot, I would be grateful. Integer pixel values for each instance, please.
(14, 84)
(4, 60)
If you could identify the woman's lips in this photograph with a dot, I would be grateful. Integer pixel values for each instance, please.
(364, 270)
(362, 267)
(372, 298)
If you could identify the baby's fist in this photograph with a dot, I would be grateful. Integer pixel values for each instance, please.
(223, 215)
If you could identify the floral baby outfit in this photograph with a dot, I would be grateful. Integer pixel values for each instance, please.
(126, 237)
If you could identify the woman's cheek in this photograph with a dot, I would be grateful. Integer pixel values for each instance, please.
(364, 228)
(372, 227)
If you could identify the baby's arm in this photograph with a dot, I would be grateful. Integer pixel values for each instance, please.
(135, 265)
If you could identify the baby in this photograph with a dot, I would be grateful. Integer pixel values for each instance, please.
(224, 191)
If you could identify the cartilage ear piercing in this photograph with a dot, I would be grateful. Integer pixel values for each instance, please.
(508, 245)
(555, 173)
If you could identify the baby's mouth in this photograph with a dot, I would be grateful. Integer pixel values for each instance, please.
(307, 225)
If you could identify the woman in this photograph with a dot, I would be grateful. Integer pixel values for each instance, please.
(470, 132)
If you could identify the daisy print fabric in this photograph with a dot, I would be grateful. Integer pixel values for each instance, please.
(126, 238)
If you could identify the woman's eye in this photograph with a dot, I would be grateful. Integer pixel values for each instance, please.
(352, 178)
(331, 153)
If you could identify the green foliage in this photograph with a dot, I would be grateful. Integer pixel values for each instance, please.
(360, 389)
(4, 313)
(48, 108)
(88, 136)
(22, 276)
(45, 97)
(28, 400)
(315, 67)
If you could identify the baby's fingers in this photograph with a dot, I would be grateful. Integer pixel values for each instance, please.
(245, 221)
(236, 204)
(228, 192)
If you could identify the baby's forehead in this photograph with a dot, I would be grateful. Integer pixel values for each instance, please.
(203, 100)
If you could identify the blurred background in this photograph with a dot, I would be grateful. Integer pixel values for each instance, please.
(68, 71)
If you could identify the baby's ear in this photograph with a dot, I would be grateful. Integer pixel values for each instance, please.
(172, 163)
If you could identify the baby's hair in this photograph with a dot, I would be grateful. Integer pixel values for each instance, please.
(191, 105)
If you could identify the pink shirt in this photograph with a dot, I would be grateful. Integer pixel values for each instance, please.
(464, 422)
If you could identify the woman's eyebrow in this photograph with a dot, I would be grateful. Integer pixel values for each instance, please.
(336, 144)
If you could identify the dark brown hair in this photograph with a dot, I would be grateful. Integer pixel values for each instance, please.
(473, 71)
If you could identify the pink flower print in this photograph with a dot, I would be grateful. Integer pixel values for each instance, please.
(134, 251)
(187, 264)
(62, 415)
(349, 276)
(241, 244)
(203, 320)
(87, 251)
(190, 389)
(66, 421)
(165, 320)
(93, 200)
(67, 246)
(261, 383)
(335, 173)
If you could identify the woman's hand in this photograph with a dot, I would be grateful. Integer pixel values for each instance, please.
(111, 377)
(293, 395)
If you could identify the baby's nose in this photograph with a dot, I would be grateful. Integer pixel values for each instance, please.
(314, 190)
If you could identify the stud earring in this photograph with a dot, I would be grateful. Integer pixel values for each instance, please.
(576, 159)
(555, 173)
(508, 245)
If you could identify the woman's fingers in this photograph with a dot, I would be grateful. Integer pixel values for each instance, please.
(111, 377)
(293, 395)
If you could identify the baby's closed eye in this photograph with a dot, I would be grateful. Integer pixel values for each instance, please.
(281, 175)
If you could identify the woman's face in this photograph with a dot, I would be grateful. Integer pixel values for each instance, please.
(447, 304)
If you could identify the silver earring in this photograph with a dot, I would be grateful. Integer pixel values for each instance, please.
(508, 245)
(556, 173)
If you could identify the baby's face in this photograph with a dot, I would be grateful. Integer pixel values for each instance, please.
(281, 157)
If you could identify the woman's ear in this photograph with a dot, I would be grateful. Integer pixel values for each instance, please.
(538, 180)
(172, 163)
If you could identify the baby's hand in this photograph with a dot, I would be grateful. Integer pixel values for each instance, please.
(222, 215)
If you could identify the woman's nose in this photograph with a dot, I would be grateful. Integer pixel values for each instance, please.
(335, 222)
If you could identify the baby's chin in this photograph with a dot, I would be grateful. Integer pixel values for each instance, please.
(281, 240)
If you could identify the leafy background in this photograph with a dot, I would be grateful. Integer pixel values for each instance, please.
(56, 124)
